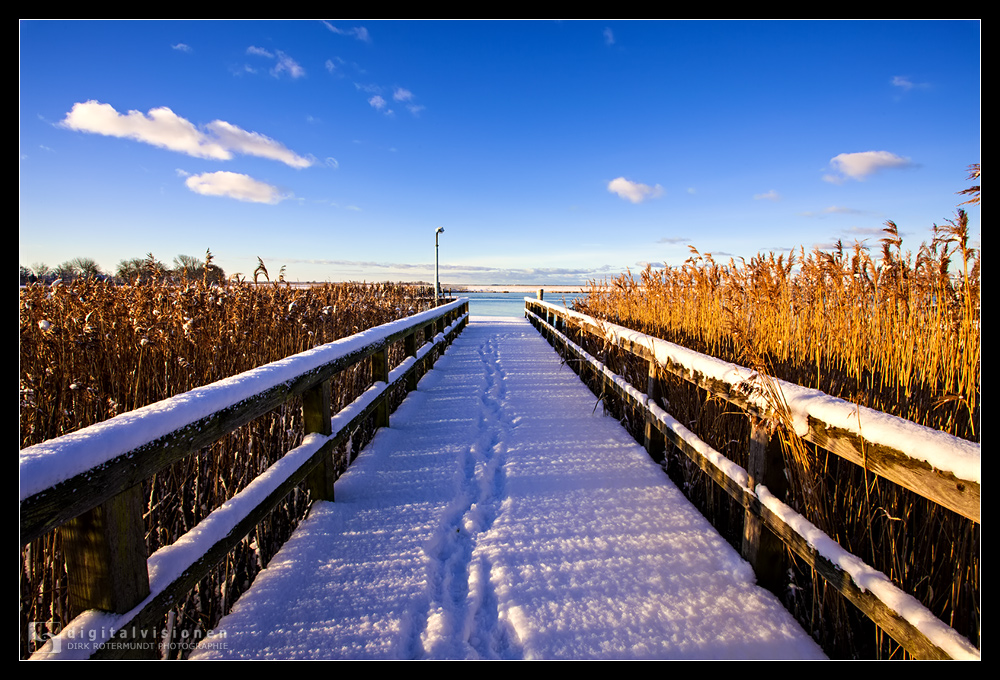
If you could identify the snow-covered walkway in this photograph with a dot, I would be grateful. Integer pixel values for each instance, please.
(500, 517)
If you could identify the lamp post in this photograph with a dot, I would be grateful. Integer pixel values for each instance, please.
(437, 278)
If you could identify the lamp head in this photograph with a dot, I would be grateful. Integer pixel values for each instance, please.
(439, 230)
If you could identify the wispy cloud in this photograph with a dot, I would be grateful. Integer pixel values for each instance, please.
(359, 32)
(165, 129)
(405, 97)
(181, 47)
(235, 185)
(379, 102)
(859, 166)
(634, 191)
(674, 239)
(904, 83)
(609, 37)
(771, 195)
(285, 65)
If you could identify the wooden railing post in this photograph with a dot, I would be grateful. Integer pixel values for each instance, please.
(653, 439)
(762, 548)
(410, 348)
(316, 418)
(105, 552)
(380, 373)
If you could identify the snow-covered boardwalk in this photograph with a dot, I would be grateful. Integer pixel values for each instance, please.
(501, 517)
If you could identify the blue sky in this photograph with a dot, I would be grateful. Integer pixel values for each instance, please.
(550, 151)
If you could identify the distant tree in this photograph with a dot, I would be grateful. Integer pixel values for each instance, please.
(41, 271)
(194, 268)
(188, 266)
(141, 270)
(25, 276)
(86, 267)
(67, 271)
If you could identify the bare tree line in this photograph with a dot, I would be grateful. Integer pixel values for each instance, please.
(134, 270)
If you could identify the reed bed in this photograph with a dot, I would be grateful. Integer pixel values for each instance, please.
(90, 350)
(898, 333)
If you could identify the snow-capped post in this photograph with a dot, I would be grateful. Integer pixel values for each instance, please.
(761, 547)
(316, 418)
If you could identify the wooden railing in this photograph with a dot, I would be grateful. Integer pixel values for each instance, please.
(89, 483)
(933, 464)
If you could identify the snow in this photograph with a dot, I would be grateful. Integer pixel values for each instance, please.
(939, 449)
(869, 579)
(502, 517)
(46, 464)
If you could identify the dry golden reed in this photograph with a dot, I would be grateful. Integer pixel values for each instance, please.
(90, 350)
(895, 332)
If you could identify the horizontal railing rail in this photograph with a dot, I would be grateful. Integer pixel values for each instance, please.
(88, 482)
(935, 465)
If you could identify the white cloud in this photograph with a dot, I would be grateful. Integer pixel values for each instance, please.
(859, 165)
(254, 144)
(771, 195)
(181, 47)
(235, 185)
(402, 95)
(379, 103)
(165, 129)
(609, 37)
(905, 83)
(634, 191)
(359, 32)
(162, 127)
(287, 65)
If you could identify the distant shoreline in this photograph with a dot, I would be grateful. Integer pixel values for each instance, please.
(515, 289)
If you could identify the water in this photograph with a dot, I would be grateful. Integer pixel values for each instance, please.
(510, 304)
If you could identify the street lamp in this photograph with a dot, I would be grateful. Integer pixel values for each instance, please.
(437, 278)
